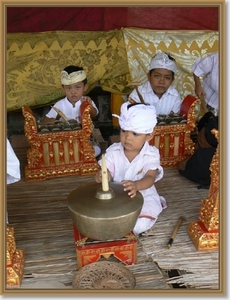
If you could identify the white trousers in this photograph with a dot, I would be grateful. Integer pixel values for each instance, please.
(142, 225)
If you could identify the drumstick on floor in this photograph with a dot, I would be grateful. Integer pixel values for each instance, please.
(179, 222)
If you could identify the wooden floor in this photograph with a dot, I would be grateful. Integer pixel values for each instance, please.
(43, 229)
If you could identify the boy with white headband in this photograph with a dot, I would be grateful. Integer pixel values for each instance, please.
(136, 164)
(74, 85)
(158, 90)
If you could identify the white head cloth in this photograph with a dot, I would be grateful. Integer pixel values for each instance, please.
(139, 118)
(162, 61)
(67, 79)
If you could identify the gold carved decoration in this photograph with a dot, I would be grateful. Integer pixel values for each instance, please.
(15, 259)
(205, 233)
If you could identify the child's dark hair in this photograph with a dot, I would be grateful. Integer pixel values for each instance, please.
(70, 69)
(137, 103)
(170, 57)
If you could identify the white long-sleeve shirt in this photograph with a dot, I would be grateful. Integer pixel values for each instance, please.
(170, 100)
(72, 113)
(208, 67)
(13, 165)
(121, 169)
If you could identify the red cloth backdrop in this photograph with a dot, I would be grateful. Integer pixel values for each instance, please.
(40, 19)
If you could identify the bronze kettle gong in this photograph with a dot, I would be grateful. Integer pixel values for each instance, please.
(104, 213)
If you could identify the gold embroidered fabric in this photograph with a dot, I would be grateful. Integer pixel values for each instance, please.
(114, 58)
(183, 45)
(35, 61)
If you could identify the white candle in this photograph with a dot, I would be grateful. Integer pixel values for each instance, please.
(104, 174)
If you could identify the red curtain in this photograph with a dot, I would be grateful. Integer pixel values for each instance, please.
(39, 19)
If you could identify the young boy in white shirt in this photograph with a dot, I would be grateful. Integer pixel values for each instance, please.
(134, 163)
(158, 90)
(74, 85)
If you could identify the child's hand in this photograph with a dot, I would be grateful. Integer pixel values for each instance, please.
(98, 176)
(199, 91)
(130, 187)
(87, 99)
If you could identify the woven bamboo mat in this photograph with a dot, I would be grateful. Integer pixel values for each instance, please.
(198, 269)
(43, 229)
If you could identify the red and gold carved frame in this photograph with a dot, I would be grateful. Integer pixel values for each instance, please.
(56, 154)
(174, 141)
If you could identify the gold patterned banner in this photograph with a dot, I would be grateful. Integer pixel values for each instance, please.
(35, 60)
(184, 45)
(113, 59)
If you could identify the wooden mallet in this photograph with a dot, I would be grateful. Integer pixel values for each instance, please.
(179, 222)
